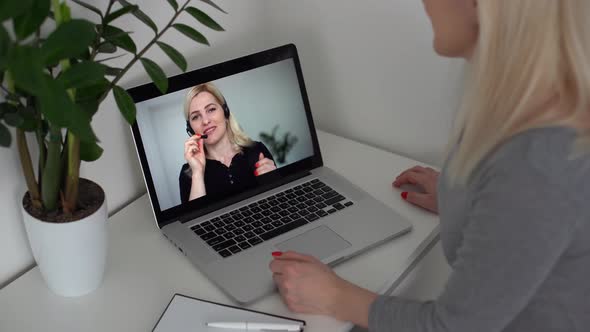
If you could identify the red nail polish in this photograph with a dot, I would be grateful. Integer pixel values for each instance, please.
(256, 165)
(405, 195)
(277, 253)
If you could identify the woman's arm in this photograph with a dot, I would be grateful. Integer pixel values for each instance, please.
(197, 187)
(520, 223)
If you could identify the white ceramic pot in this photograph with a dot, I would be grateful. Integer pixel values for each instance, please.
(71, 256)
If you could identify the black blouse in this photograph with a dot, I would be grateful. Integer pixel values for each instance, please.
(221, 180)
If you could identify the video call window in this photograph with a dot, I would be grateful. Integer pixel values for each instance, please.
(216, 138)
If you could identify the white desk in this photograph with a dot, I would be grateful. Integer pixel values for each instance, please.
(144, 270)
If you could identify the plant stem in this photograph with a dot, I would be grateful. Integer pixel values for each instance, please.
(111, 2)
(24, 154)
(27, 167)
(40, 138)
(56, 11)
(73, 176)
(95, 50)
(5, 89)
(52, 172)
(72, 179)
(138, 55)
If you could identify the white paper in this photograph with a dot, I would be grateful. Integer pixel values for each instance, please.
(185, 314)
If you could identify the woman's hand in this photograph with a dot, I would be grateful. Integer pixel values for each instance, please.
(264, 165)
(194, 153)
(308, 286)
(427, 179)
(305, 284)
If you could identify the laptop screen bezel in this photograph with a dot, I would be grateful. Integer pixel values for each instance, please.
(204, 205)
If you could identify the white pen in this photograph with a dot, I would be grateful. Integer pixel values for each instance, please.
(250, 326)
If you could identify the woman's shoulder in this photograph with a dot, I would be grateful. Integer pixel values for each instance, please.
(540, 156)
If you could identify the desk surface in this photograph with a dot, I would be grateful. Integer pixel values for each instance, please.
(144, 270)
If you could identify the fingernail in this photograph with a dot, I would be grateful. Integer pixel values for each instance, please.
(256, 165)
(405, 195)
(277, 253)
(256, 173)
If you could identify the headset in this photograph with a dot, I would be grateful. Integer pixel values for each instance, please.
(191, 132)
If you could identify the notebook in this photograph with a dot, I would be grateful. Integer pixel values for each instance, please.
(185, 313)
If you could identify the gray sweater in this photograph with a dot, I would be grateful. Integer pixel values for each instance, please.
(518, 240)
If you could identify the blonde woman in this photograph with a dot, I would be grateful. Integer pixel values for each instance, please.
(221, 158)
(513, 194)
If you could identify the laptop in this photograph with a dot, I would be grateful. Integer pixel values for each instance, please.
(246, 211)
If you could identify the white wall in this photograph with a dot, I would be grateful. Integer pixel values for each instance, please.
(369, 69)
(259, 99)
(371, 73)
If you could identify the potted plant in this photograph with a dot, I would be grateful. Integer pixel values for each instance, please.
(52, 85)
(279, 147)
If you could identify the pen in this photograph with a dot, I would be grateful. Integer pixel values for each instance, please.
(250, 326)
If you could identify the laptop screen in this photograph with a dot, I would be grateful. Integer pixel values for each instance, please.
(224, 133)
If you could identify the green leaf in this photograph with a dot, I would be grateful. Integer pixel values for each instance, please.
(89, 7)
(90, 151)
(204, 18)
(93, 92)
(85, 56)
(13, 119)
(60, 111)
(211, 3)
(191, 33)
(62, 44)
(111, 71)
(79, 124)
(107, 47)
(141, 16)
(125, 104)
(122, 11)
(28, 22)
(13, 8)
(6, 108)
(55, 103)
(119, 38)
(156, 74)
(29, 119)
(26, 68)
(90, 107)
(5, 137)
(174, 55)
(82, 74)
(174, 4)
(4, 47)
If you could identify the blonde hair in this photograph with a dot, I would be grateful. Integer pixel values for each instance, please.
(526, 49)
(235, 133)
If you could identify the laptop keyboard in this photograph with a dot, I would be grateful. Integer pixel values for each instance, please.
(270, 217)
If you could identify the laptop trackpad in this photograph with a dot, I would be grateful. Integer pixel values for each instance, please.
(320, 242)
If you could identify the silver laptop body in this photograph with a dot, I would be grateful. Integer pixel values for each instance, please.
(332, 233)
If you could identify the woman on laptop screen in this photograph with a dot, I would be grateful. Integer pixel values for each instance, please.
(513, 193)
(220, 157)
